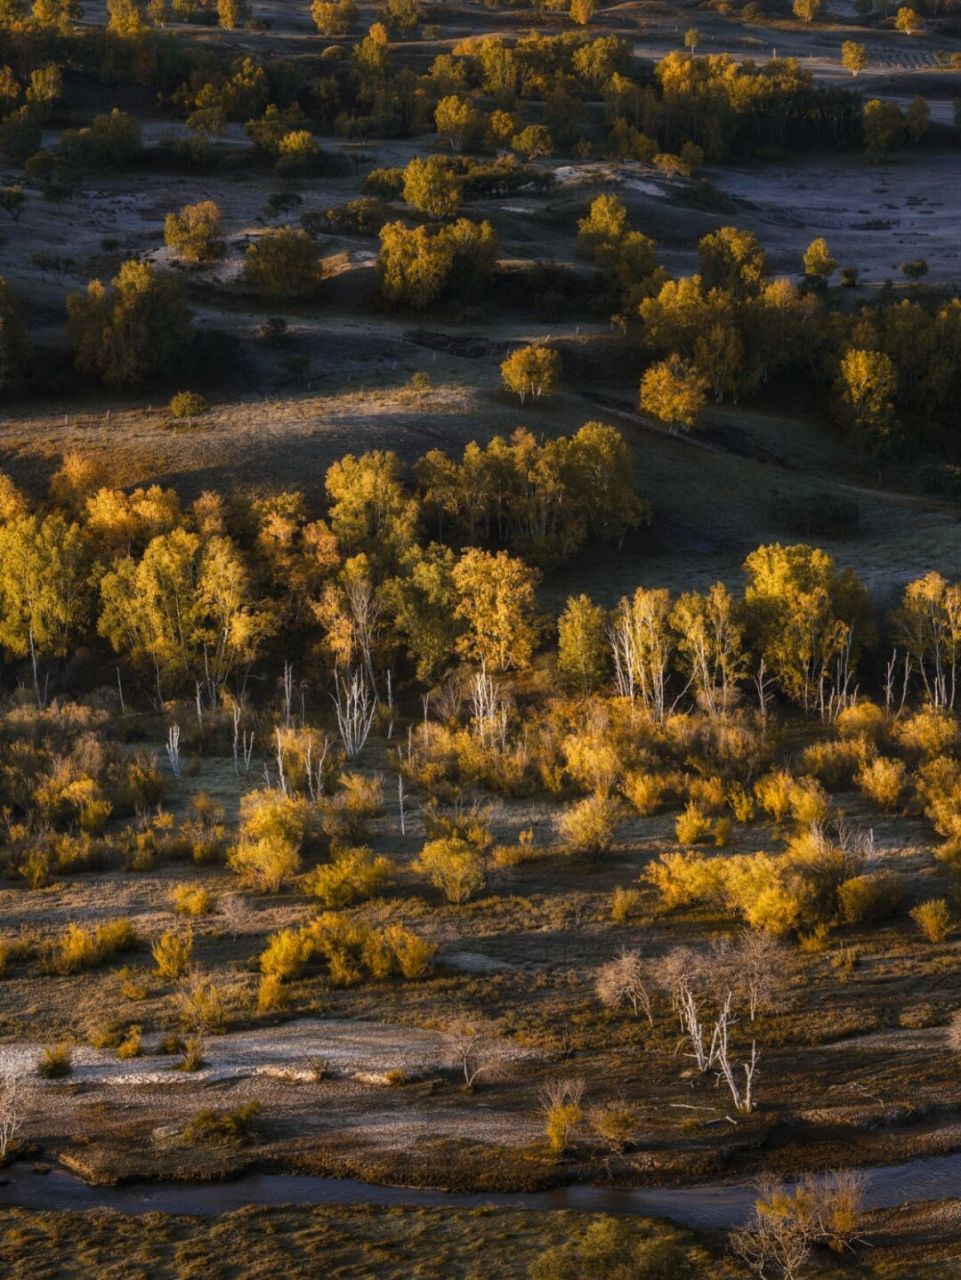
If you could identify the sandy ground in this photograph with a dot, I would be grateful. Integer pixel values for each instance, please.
(289, 1052)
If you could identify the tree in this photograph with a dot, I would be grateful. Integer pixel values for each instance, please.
(232, 13)
(733, 261)
(804, 617)
(297, 153)
(195, 234)
(819, 263)
(641, 648)
(414, 265)
(124, 18)
(866, 388)
(710, 644)
(534, 141)
(673, 391)
(185, 609)
(371, 512)
(807, 10)
(928, 624)
(692, 38)
(12, 201)
(421, 605)
(497, 604)
(333, 19)
(44, 588)
(133, 333)
(283, 263)
(15, 1099)
(907, 20)
(582, 652)
(582, 11)
(531, 371)
(432, 186)
(917, 119)
(457, 121)
(883, 128)
(854, 57)
(626, 981)
(402, 15)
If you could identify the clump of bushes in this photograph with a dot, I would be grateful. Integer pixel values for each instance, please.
(79, 948)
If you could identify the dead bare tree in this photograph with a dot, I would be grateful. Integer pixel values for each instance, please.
(14, 1105)
(694, 1033)
(624, 980)
(233, 911)
(173, 751)
(719, 1053)
(356, 706)
(472, 1052)
(759, 963)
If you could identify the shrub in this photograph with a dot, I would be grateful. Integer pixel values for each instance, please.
(188, 404)
(626, 903)
(55, 1061)
(191, 900)
(561, 1102)
(933, 919)
(131, 1045)
(210, 1128)
(883, 780)
(171, 954)
(283, 263)
(193, 1054)
(452, 865)
(80, 948)
(870, 898)
(284, 956)
(865, 718)
(353, 876)
(693, 826)
(931, 732)
(647, 792)
(589, 827)
(414, 955)
(346, 816)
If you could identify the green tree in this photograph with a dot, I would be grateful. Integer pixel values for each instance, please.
(883, 128)
(421, 605)
(371, 511)
(195, 234)
(12, 201)
(534, 141)
(497, 604)
(583, 654)
(283, 263)
(131, 332)
(917, 119)
(531, 371)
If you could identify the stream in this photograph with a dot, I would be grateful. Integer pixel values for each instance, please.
(707, 1205)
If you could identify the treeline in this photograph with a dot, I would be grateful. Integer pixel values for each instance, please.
(689, 109)
(191, 598)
